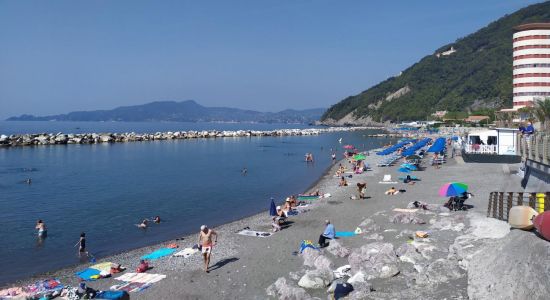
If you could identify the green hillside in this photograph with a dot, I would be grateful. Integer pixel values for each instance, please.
(477, 75)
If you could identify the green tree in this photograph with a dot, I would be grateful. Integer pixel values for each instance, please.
(542, 113)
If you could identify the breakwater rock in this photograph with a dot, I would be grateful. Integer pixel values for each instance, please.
(18, 140)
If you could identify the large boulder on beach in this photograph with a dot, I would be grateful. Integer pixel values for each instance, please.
(406, 218)
(286, 291)
(376, 260)
(316, 279)
(310, 255)
(408, 253)
(336, 249)
(440, 271)
(514, 267)
(322, 263)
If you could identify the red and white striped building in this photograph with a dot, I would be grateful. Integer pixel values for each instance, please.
(531, 43)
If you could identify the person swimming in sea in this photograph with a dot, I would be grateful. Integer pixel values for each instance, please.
(156, 220)
(244, 171)
(28, 181)
(41, 227)
(143, 224)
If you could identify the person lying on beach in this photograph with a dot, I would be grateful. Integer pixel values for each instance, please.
(41, 228)
(143, 224)
(205, 240)
(391, 191)
(408, 180)
(361, 188)
(142, 267)
(343, 181)
(292, 201)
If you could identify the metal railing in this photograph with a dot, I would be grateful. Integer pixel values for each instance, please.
(500, 203)
(480, 149)
(535, 147)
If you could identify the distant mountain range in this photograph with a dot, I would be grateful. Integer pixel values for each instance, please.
(184, 111)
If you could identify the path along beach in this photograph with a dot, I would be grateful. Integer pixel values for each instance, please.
(404, 267)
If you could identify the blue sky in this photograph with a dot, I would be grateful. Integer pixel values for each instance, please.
(61, 56)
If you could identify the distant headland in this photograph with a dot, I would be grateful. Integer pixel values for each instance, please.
(183, 111)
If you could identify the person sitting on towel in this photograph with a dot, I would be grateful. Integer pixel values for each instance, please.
(328, 234)
(361, 188)
(391, 191)
(343, 181)
(281, 215)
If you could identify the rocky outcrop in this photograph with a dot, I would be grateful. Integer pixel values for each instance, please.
(375, 260)
(286, 291)
(514, 267)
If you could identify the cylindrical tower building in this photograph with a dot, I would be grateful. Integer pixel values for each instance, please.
(531, 64)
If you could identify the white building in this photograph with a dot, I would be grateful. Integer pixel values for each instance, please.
(531, 63)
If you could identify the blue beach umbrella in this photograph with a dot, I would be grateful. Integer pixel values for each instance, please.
(272, 208)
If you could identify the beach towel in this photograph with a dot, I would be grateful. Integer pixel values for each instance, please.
(113, 295)
(89, 274)
(254, 233)
(186, 252)
(158, 253)
(387, 180)
(345, 233)
(43, 286)
(141, 277)
(103, 267)
(308, 198)
(307, 244)
(131, 287)
(406, 210)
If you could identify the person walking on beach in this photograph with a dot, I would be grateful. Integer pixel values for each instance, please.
(328, 234)
(205, 240)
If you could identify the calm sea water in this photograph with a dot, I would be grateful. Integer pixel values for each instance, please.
(105, 189)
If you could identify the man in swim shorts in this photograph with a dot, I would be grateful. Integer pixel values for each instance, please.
(205, 240)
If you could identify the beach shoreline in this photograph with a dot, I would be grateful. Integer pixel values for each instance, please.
(69, 271)
(247, 267)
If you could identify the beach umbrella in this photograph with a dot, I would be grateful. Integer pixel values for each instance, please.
(414, 156)
(404, 170)
(453, 189)
(359, 157)
(272, 208)
(348, 147)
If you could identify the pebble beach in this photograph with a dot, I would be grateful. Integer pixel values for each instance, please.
(408, 267)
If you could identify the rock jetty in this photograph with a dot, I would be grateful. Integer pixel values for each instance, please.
(18, 140)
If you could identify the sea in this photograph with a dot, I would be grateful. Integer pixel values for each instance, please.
(104, 190)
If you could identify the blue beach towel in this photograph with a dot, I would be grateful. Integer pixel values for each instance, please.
(87, 274)
(345, 233)
(159, 253)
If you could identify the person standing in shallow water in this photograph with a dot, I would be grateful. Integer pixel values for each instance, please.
(82, 245)
(41, 227)
(205, 240)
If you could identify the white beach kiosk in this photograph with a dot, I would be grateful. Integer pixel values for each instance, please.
(491, 145)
